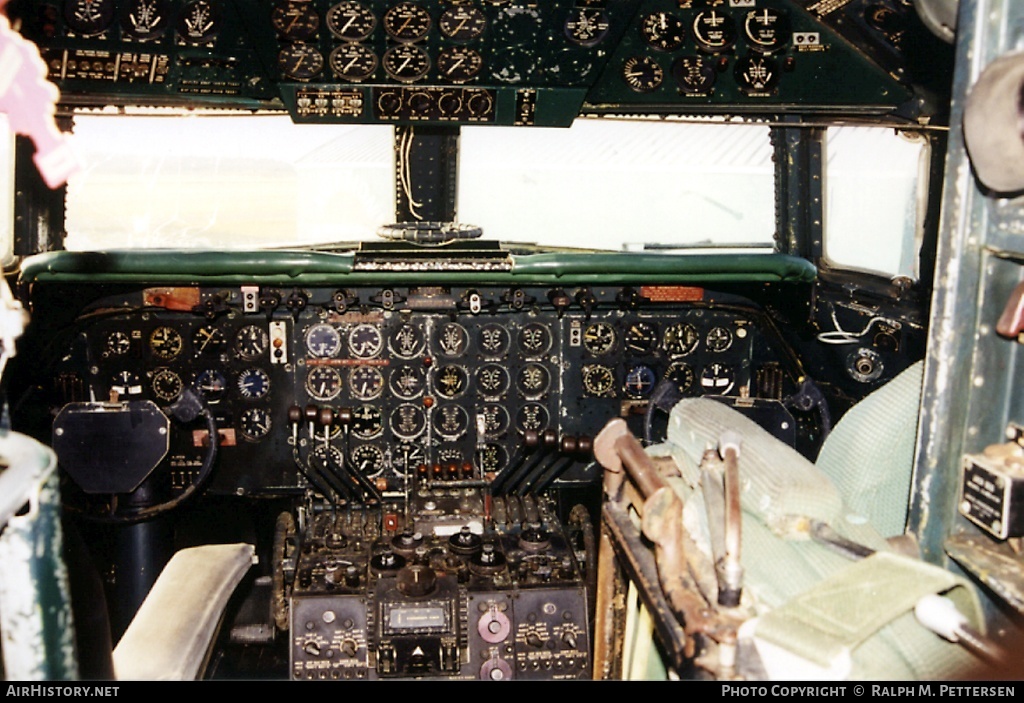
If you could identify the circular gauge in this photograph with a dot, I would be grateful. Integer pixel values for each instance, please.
(714, 31)
(680, 338)
(491, 458)
(323, 383)
(251, 342)
(495, 420)
(353, 62)
(599, 338)
(663, 31)
(167, 385)
(211, 384)
(642, 73)
(326, 457)
(694, 74)
(367, 422)
(532, 417)
(407, 22)
(300, 62)
(253, 383)
(451, 457)
(598, 381)
(365, 341)
(717, 379)
(254, 424)
(165, 342)
(295, 20)
(458, 64)
(756, 74)
(406, 63)
(406, 457)
(492, 380)
(126, 383)
(452, 339)
(368, 460)
(351, 21)
(408, 421)
(681, 374)
(534, 339)
(493, 339)
(451, 381)
(146, 19)
(718, 339)
(322, 341)
(451, 421)
(533, 380)
(641, 338)
(407, 342)
(462, 23)
(117, 344)
(365, 382)
(639, 381)
(208, 341)
(766, 30)
(88, 17)
(586, 26)
(407, 381)
(198, 22)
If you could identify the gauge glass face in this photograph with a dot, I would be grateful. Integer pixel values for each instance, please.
(365, 382)
(532, 417)
(695, 75)
(126, 383)
(533, 380)
(766, 29)
(663, 31)
(495, 420)
(719, 339)
(165, 343)
(494, 339)
(451, 381)
(407, 342)
(586, 26)
(717, 379)
(211, 384)
(323, 383)
(253, 383)
(599, 338)
(254, 424)
(681, 374)
(198, 22)
(353, 62)
(407, 22)
(598, 381)
(639, 381)
(493, 380)
(368, 460)
(458, 64)
(295, 20)
(367, 422)
(89, 17)
(406, 458)
(462, 23)
(642, 73)
(322, 341)
(407, 381)
(406, 63)
(167, 385)
(680, 339)
(251, 342)
(408, 421)
(491, 458)
(351, 21)
(208, 341)
(534, 339)
(365, 341)
(117, 343)
(452, 339)
(300, 61)
(451, 421)
(713, 30)
(641, 338)
(146, 19)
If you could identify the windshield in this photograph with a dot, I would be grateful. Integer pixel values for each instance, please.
(246, 181)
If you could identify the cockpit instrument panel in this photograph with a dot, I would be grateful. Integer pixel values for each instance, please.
(504, 62)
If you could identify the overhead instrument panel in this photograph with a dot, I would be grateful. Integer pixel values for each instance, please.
(362, 393)
(504, 62)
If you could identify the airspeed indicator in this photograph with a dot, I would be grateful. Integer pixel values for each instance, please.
(642, 73)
